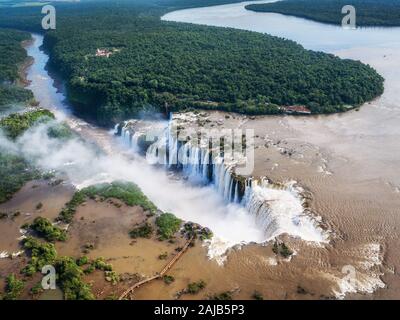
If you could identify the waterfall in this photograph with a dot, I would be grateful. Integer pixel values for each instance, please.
(276, 209)
(279, 209)
(192, 160)
(236, 197)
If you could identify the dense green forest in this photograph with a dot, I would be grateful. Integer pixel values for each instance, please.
(15, 171)
(368, 12)
(155, 64)
(158, 65)
(12, 55)
(10, 94)
(14, 125)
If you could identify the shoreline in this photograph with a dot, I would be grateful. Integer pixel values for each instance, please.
(24, 66)
(314, 19)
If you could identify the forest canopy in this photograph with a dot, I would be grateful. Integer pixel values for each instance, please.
(12, 55)
(121, 60)
(15, 171)
(368, 12)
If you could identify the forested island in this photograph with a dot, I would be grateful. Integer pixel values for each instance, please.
(368, 12)
(144, 64)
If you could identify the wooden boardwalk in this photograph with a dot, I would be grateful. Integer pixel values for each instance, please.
(158, 275)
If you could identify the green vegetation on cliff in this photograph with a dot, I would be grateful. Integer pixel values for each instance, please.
(11, 53)
(40, 253)
(14, 173)
(10, 94)
(17, 123)
(196, 287)
(131, 195)
(14, 288)
(143, 231)
(69, 274)
(60, 131)
(167, 225)
(12, 56)
(70, 280)
(44, 228)
(127, 192)
(226, 295)
(368, 12)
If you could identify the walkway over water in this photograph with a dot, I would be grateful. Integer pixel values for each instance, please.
(169, 265)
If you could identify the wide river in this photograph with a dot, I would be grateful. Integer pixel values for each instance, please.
(361, 198)
(371, 135)
(359, 201)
